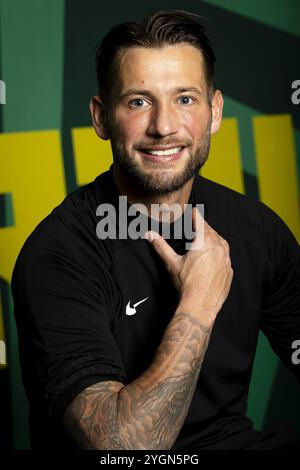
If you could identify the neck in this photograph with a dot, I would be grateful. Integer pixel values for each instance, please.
(136, 195)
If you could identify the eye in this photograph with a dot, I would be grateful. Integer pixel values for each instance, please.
(186, 100)
(137, 103)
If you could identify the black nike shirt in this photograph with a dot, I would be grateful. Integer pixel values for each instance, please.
(72, 292)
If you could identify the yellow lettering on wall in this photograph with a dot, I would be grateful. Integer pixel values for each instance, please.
(32, 171)
(276, 167)
(224, 163)
(92, 155)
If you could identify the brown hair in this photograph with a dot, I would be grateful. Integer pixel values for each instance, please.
(157, 29)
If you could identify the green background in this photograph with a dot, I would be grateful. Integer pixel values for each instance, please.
(47, 62)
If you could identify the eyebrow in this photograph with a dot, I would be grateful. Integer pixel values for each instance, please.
(148, 93)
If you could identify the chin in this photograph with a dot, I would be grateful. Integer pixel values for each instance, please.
(156, 177)
(162, 182)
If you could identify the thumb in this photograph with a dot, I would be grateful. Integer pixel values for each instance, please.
(165, 251)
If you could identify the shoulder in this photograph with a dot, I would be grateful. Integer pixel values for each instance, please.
(219, 197)
(244, 217)
(69, 231)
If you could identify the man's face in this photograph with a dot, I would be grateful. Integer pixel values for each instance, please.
(160, 117)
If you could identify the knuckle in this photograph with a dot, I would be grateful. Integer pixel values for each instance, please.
(226, 248)
(226, 244)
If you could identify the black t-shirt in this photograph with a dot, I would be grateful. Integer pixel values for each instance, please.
(71, 291)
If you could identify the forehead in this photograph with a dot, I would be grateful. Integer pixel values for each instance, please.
(166, 66)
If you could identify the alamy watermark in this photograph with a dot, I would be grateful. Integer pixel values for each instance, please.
(296, 354)
(2, 92)
(132, 221)
(296, 94)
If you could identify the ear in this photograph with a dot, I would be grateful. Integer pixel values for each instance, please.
(216, 108)
(99, 117)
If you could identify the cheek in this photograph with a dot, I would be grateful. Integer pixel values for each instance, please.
(132, 128)
(196, 123)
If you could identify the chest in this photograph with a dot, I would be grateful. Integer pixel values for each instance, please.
(149, 300)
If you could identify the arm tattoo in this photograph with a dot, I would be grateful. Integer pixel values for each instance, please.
(149, 412)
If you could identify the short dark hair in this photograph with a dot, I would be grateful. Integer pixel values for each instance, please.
(156, 30)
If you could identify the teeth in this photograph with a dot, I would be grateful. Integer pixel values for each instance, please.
(165, 152)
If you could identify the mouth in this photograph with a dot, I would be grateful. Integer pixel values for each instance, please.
(162, 155)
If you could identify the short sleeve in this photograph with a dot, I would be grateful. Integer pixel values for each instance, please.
(64, 301)
(281, 307)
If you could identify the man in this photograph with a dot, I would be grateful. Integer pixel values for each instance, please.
(141, 343)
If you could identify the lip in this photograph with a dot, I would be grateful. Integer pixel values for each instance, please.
(162, 158)
(165, 147)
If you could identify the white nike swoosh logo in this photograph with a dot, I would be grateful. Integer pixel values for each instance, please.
(132, 310)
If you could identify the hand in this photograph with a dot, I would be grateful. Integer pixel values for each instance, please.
(204, 274)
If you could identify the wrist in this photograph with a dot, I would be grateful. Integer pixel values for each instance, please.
(194, 307)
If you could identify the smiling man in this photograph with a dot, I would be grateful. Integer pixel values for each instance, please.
(139, 343)
(160, 131)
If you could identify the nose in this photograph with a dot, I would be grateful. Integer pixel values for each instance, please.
(163, 121)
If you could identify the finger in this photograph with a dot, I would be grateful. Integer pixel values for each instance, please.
(165, 251)
(200, 228)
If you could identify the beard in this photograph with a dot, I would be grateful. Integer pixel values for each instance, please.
(161, 181)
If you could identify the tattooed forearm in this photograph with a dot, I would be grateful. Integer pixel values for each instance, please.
(159, 399)
(149, 412)
(91, 419)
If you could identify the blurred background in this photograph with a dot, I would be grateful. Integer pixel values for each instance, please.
(48, 148)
